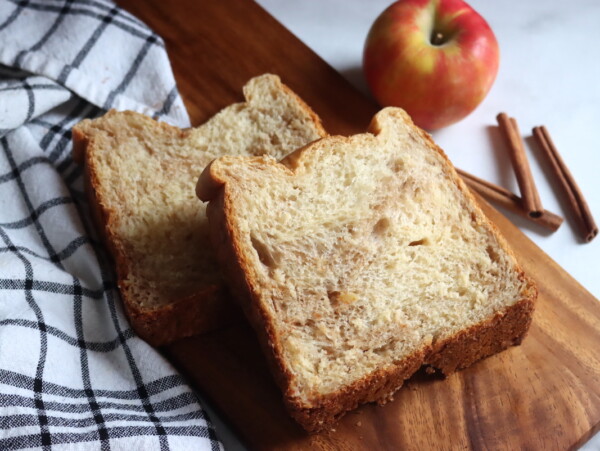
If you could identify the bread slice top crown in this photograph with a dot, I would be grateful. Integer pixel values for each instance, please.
(359, 252)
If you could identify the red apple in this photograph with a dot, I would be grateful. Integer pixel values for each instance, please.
(437, 59)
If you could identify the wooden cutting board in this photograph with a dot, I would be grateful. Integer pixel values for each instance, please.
(544, 394)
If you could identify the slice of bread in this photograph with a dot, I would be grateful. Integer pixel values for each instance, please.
(141, 176)
(360, 259)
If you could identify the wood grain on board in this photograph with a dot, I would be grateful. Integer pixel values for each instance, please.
(544, 394)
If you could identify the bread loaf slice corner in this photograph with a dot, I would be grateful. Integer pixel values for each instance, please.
(140, 178)
(358, 260)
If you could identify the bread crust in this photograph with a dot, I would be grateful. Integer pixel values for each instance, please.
(498, 332)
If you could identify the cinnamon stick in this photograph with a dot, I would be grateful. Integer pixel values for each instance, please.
(576, 201)
(531, 198)
(509, 201)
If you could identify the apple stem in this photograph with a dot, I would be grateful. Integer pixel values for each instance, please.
(437, 38)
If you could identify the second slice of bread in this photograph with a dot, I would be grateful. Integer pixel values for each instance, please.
(360, 259)
(141, 177)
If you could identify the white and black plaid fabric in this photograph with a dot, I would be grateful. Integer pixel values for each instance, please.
(73, 375)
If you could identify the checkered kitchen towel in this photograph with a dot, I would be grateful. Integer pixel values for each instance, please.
(73, 375)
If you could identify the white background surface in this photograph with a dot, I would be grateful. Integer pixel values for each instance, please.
(549, 74)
